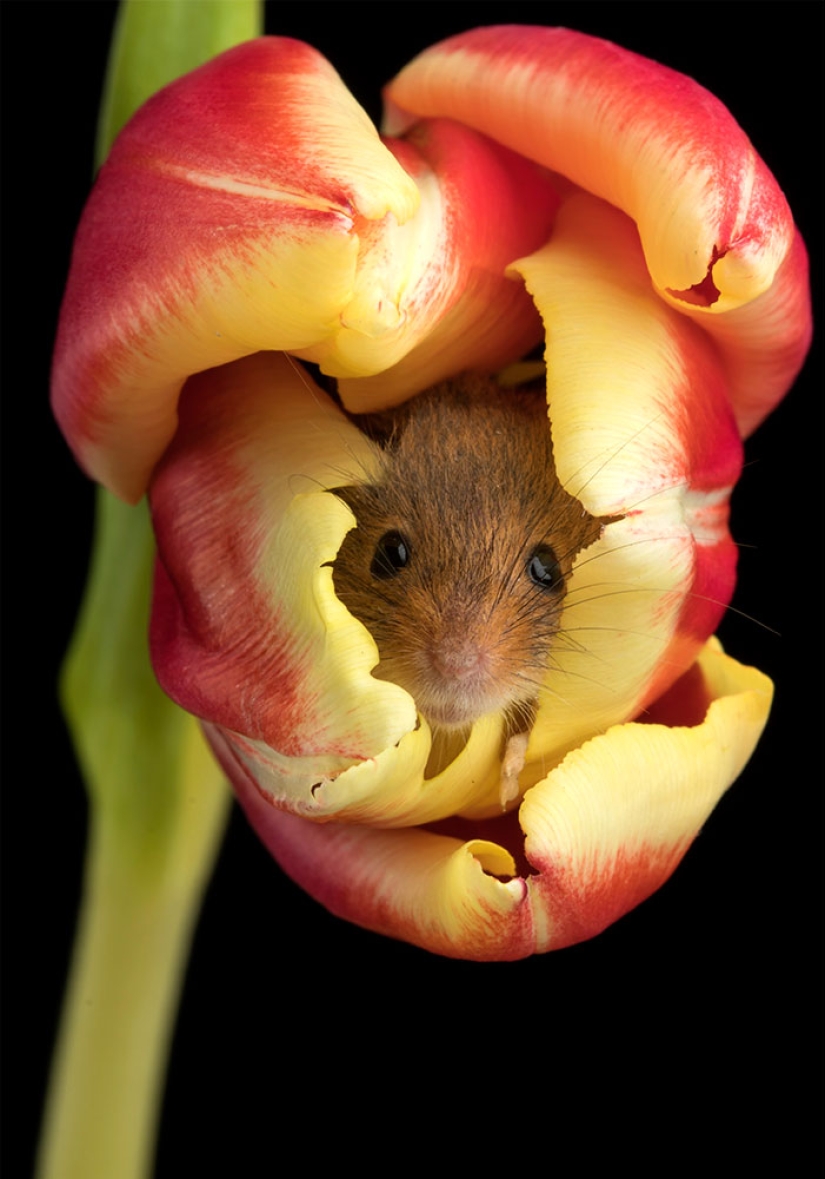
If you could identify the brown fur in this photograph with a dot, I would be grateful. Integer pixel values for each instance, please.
(468, 480)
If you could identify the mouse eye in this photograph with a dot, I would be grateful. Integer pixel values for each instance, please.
(391, 555)
(544, 569)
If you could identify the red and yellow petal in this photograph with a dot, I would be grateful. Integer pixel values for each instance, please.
(395, 788)
(763, 343)
(715, 227)
(251, 206)
(246, 629)
(224, 221)
(492, 200)
(643, 435)
(600, 833)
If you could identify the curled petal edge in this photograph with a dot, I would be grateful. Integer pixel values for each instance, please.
(245, 624)
(630, 418)
(600, 833)
(716, 229)
(280, 223)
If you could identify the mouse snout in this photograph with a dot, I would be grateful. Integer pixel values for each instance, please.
(457, 681)
(459, 658)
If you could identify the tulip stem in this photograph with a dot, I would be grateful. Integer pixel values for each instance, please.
(158, 804)
(131, 952)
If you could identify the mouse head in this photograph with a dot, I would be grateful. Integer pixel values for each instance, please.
(463, 545)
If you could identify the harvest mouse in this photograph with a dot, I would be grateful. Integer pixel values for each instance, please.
(459, 561)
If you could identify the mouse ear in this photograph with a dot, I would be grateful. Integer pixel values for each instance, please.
(348, 494)
(385, 429)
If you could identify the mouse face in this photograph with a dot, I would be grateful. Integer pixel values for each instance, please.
(459, 562)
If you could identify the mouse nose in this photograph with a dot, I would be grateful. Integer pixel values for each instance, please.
(459, 658)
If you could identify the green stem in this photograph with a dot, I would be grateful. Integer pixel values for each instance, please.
(158, 805)
(158, 802)
(130, 958)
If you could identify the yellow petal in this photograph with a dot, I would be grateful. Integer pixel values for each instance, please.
(247, 631)
(642, 433)
(601, 832)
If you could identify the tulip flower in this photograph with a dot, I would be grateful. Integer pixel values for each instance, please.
(535, 184)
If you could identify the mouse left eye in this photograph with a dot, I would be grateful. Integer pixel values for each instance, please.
(544, 569)
(391, 555)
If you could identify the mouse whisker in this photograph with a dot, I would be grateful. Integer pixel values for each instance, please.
(609, 453)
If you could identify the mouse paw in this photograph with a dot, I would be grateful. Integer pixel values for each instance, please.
(512, 763)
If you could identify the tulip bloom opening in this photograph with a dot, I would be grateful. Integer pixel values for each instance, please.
(534, 184)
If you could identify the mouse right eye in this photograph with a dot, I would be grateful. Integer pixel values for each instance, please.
(391, 555)
(544, 569)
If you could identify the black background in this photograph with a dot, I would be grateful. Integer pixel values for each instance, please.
(699, 1012)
